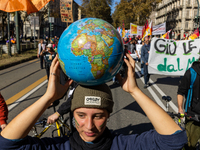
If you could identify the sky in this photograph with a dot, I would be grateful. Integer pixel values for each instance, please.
(112, 8)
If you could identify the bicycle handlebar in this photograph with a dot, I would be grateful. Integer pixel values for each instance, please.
(42, 122)
(189, 116)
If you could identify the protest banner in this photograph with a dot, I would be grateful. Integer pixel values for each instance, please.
(168, 57)
(159, 29)
(66, 10)
(135, 29)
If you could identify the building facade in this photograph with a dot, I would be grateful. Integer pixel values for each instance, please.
(179, 16)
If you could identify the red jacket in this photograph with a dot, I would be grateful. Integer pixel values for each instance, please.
(3, 110)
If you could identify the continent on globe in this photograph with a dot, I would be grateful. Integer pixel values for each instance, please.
(90, 51)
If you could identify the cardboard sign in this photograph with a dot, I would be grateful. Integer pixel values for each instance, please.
(66, 11)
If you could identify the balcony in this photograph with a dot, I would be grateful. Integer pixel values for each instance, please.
(195, 5)
(188, 5)
(188, 28)
(179, 28)
(187, 17)
(180, 6)
(169, 1)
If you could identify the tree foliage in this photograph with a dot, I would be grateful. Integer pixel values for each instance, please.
(133, 11)
(97, 9)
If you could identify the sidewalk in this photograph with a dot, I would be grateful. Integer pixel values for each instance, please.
(6, 61)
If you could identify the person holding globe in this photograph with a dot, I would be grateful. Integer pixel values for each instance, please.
(91, 106)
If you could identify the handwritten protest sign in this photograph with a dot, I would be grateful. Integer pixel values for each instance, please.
(66, 10)
(168, 57)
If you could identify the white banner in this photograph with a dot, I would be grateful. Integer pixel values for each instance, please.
(159, 29)
(168, 57)
(135, 29)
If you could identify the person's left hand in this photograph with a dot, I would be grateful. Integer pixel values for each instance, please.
(51, 119)
(56, 90)
(128, 83)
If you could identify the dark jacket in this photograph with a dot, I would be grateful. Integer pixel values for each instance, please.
(150, 140)
(145, 53)
(131, 48)
(185, 85)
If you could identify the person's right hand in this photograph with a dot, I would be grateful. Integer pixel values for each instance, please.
(51, 119)
(38, 55)
(180, 111)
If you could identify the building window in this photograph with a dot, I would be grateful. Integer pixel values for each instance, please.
(187, 13)
(195, 12)
(186, 24)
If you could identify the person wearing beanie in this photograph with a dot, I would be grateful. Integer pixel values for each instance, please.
(91, 107)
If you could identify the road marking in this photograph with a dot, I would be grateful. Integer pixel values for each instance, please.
(26, 91)
(158, 101)
(33, 60)
(173, 106)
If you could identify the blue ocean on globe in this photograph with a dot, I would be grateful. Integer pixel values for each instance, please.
(90, 51)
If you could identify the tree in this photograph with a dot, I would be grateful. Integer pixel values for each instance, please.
(123, 13)
(97, 9)
(133, 11)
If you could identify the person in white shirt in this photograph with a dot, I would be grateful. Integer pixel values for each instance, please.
(41, 47)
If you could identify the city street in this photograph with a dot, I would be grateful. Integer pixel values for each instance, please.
(23, 84)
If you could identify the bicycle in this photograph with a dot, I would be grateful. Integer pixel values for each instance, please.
(180, 119)
(61, 126)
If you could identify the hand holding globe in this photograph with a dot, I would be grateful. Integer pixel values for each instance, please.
(90, 51)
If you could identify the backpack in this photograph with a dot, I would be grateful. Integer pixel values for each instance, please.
(190, 91)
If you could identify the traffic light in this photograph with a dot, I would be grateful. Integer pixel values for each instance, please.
(52, 27)
(196, 19)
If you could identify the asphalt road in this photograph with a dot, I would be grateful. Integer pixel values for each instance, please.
(27, 82)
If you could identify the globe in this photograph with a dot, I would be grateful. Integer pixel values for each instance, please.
(90, 51)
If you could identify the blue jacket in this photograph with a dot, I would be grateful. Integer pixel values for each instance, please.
(149, 140)
(145, 53)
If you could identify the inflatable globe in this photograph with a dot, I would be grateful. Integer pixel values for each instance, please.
(90, 51)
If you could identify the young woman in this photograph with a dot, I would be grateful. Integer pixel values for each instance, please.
(91, 107)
